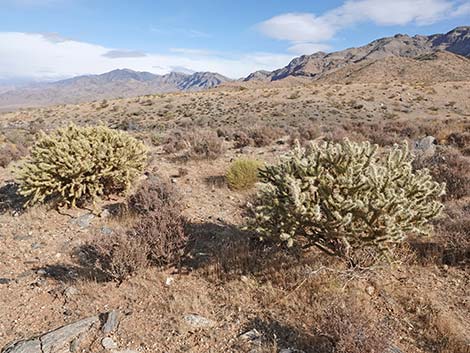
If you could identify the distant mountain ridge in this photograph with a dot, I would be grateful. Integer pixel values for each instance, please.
(319, 64)
(113, 84)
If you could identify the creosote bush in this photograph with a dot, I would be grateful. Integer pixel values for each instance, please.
(344, 196)
(74, 164)
(243, 174)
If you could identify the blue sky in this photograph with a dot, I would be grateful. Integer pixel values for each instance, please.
(53, 39)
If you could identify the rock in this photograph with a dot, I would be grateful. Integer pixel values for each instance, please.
(111, 323)
(426, 147)
(106, 230)
(105, 213)
(56, 341)
(108, 343)
(393, 349)
(83, 221)
(70, 291)
(198, 321)
(5, 280)
(169, 281)
(253, 336)
(370, 290)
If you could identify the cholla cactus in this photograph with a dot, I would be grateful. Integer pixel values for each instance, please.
(340, 197)
(77, 163)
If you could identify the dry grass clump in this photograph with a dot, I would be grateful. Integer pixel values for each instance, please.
(205, 145)
(264, 135)
(350, 330)
(242, 174)
(10, 152)
(304, 134)
(258, 136)
(175, 142)
(119, 256)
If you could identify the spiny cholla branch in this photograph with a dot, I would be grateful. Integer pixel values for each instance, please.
(343, 196)
(77, 163)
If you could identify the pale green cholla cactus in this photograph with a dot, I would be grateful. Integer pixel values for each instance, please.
(344, 196)
(78, 163)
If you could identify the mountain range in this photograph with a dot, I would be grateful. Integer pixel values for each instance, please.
(113, 84)
(320, 64)
(435, 58)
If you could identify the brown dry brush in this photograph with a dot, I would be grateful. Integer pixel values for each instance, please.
(157, 238)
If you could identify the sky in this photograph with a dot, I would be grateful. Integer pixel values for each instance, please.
(44, 40)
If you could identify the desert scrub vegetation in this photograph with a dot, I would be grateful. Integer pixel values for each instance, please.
(10, 152)
(156, 235)
(242, 174)
(75, 164)
(160, 224)
(343, 197)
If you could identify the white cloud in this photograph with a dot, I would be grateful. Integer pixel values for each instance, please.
(307, 31)
(42, 57)
(462, 10)
(297, 27)
(306, 47)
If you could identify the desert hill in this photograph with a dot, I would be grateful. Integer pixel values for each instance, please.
(318, 64)
(113, 84)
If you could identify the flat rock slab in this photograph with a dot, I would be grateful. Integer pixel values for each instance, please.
(57, 341)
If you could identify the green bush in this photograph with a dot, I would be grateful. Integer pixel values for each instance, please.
(243, 174)
(344, 196)
(75, 164)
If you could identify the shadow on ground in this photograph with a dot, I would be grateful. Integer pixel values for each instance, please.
(10, 199)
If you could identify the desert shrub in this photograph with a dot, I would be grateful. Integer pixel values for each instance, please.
(175, 142)
(118, 256)
(74, 164)
(205, 145)
(264, 135)
(304, 134)
(343, 197)
(161, 226)
(243, 174)
(459, 139)
(242, 139)
(10, 152)
(351, 331)
(152, 195)
(450, 166)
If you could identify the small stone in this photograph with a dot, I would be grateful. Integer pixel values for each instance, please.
(291, 350)
(252, 335)
(112, 322)
(5, 280)
(42, 272)
(84, 221)
(106, 231)
(108, 343)
(70, 291)
(370, 290)
(169, 281)
(426, 147)
(198, 321)
(105, 213)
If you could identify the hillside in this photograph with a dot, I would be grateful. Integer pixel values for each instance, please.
(316, 65)
(113, 84)
(435, 67)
